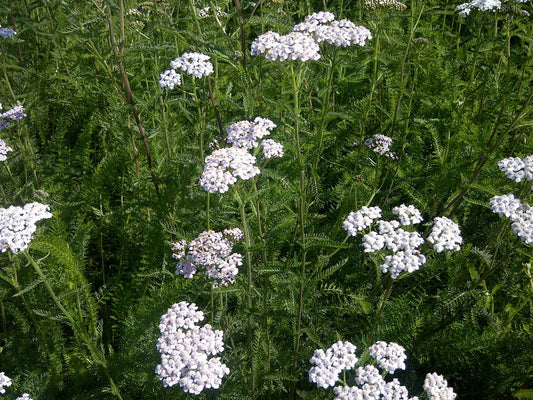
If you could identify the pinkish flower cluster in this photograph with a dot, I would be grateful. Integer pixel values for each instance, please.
(212, 251)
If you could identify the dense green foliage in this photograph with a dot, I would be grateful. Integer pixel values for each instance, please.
(455, 94)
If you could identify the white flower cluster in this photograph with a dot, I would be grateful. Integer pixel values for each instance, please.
(6, 32)
(206, 12)
(445, 235)
(271, 148)
(360, 220)
(437, 388)
(482, 5)
(408, 215)
(381, 145)
(15, 114)
(323, 27)
(302, 43)
(17, 225)
(4, 149)
(213, 251)
(224, 166)
(330, 363)
(375, 4)
(5, 381)
(195, 64)
(293, 46)
(185, 348)
(517, 168)
(389, 356)
(371, 384)
(403, 244)
(508, 205)
(169, 79)
(519, 213)
(245, 134)
(25, 396)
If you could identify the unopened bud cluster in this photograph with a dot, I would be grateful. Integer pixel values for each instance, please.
(404, 244)
(303, 42)
(17, 225)
(212, 251)
(370, 381)
(185, 348)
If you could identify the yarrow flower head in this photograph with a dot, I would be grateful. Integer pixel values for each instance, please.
(6, 32)
(375, 4)
(195, 64)
(293, 46)
(5, 381)
(408, 215)
(212, 251)
(371, 383)
(482, 5)
(207, 12)
(224, 166)
(169, 79)
(445, 235)
(380, 144)
(330, 363)
(389, 356)
(323, 27)
(4, 149)
(360, 220)
(437, 388)
(517, 168)
(185, 348)
(17, 225)
(15, 114)
(519, 213)
(25, 396)
(245, 134)
(405, 257)
(271, 148)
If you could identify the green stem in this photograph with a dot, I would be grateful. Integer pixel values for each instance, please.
(325, 109)
(384, 299)
(248, 245)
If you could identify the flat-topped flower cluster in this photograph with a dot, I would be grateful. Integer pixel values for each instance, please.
(482, 5)
(185, 348)
(303, 42)
(195, 64)
(404, 244)
(17, 225)
(370, 382)
(224, 166)
(212, 251)
(508, 205)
